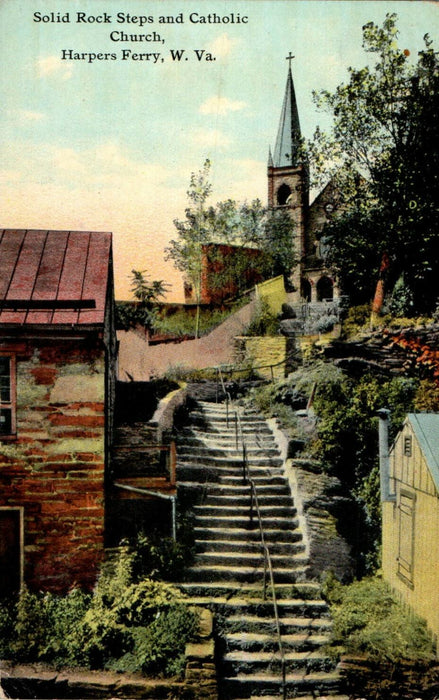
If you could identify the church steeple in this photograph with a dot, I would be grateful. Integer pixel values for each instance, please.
(287, 174)
(286, 152)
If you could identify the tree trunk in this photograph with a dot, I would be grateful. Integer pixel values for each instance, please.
(380, 290)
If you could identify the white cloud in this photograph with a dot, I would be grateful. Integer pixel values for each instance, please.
(26, 115)
(54, 66)
(222, 46)
(220, 105)
(210, 138)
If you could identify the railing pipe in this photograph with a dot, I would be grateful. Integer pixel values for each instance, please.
(254, 504)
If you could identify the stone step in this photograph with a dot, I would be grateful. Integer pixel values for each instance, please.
(220, 417)
(221, 459)
(288, 625)
(241, 662)
(205, 439)
(226, 500)
(267, 510)
(252, 558)
(229, 452)
(273, 534)
(294, 572)
(203, 427)
(302, 697)
(236, 490)
(259, 641)
(243, 521)
(202, 472)
(226, 545)
(287, 607)
(303, 591)
(261, 478)
(299, 684)
(209, 473)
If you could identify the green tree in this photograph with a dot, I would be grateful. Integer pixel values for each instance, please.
(187, 250)
(147, 294)
(386, 127)
(348, 446)
(230, 223)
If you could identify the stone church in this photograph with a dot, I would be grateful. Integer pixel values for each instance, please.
(288, 188)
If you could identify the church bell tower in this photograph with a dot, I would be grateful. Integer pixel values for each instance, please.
(288, 186)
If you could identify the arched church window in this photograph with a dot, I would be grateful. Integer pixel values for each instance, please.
(283, 193)
(325, 288)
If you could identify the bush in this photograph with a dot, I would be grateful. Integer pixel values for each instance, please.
(369, 620)
(264, 321)
(181, 323)
(126, 624)
(162, 557)
(357, 318)
(159, 647)
(427, 396)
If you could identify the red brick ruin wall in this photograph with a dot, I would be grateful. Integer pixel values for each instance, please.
(55, 467)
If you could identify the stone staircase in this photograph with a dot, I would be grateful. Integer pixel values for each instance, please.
(227, 575)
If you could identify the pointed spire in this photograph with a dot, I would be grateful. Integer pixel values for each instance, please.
(286, 152)
(270, 158)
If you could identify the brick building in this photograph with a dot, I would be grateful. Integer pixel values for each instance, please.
(226, 272)
(57, 378)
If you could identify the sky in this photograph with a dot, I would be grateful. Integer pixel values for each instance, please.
(109, 144)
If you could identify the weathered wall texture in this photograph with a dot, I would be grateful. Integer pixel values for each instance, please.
(268, 354)
(273, 293)
(142, 361)
(55, 467)
(411, 532)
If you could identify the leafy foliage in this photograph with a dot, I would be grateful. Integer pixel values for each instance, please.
(348, 445)
(181, 323)
(241, 225)
(128, 624)
(427, 397)
(143, 310)
(386, 119)
(368, 620)
(263, 321)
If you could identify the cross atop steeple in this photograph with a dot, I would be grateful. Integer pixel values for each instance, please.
(290, 58)
(286, 152)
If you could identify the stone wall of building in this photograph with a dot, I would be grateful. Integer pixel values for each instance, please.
(53, 471)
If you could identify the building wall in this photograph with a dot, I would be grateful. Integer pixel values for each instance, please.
(296, 180)
(141, 361)
(267, 354)
(411, 531)
(273, 293)
(226, 272)
(54, 469)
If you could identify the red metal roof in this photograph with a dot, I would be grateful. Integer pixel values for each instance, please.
(53, 277)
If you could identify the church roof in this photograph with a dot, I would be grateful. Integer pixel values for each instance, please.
(54, 277)
(286, 152)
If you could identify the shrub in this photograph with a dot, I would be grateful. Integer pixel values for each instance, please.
(181, 323)
(357, 318)
(369, 620)
(427, 396)
(126, 624)
(159, 647)
(162, 557)
(264, 321)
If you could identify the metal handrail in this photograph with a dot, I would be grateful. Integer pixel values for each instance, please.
(268, 565)
(239, 433)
